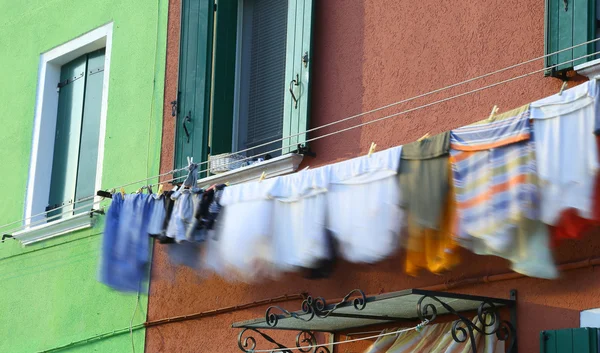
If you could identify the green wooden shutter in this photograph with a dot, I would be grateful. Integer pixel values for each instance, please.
(68, 133)
(297, 72)
(577, 340)
(90, 129)
(195, 56)
(568, 23)
(223, 77)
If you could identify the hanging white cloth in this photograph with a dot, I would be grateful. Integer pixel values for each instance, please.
(363, 205)
(566, 150)
(299, 238)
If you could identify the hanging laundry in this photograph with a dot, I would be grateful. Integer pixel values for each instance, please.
(429, 205)
(299, 211)
(245, 247)
(363, 206)
(186, 200)
(566, 150)
(494, 171)
(438, 338)
(157, 217)
(570, 224)
(125, 247)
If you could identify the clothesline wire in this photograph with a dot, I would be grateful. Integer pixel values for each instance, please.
(426, 105)
(383, 107)
(351, 117)
(303, 348)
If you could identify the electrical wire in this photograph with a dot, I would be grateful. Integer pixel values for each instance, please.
(358, 115)
(306, 348)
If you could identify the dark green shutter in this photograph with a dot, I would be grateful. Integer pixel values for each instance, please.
(75, 159)
(195, 57)
(576, 340)
(224, 77)
(68, 133)
(569, 23)
(298, 71)
(90, 129)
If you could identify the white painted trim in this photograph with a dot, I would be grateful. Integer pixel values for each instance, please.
(277, 166)
(46, 105)
(54, 229)
(591, 69)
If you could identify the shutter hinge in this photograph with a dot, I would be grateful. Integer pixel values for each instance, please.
(69, 80)
(215, 6)
(566, 2)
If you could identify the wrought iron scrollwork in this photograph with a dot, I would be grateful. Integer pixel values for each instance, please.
(315, 307)
(248, 344)
(488, 322)
(305, 342)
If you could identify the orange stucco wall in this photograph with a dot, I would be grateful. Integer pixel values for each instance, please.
(369, 53)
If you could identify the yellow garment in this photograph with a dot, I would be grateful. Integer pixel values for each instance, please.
(433, 249)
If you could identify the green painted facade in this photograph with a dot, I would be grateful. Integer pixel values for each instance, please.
(50, 293)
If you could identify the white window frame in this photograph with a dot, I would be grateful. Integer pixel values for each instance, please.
(46, 108)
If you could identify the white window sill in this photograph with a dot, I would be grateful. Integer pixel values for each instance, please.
(591, 69)
(273, 167)
(53, 229)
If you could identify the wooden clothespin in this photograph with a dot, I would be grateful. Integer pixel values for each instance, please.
(426, 136)
(122, 192)
(262, 177)
(372, 149)
(227, 183)
(562, 88)
(160, 190)
(494, 111)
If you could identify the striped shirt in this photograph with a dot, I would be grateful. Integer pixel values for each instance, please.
(494, 173)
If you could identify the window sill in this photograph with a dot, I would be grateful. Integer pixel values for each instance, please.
(590, 69)
(53, 229)
(273, 167)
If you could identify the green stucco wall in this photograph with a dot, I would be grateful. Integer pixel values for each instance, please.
(49, 293)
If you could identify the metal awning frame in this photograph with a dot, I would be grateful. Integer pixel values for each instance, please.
(316, 308)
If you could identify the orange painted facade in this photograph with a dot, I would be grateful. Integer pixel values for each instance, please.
(367, 54)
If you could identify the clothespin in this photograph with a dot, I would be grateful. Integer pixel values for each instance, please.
(372, 149)
(494, 111)
(227, 183)
(160, 190)
(262, 177)
(562, 88)
(139, 191)
(123, 192)
(426, 136)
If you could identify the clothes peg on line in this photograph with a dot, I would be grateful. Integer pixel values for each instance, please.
(494, 111)
(122, 192)
(426, 136)
(562, 88)
(372, 149)
(262, 177)
(160, 190)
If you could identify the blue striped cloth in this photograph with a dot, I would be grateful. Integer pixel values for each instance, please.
(494, 173)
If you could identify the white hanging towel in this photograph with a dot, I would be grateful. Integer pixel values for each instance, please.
(566, 150)
(299, 238)
(363, 205)
(245, 243)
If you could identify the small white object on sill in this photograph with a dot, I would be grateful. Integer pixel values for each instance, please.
(53, 229)
(590, 69)
(277, 166)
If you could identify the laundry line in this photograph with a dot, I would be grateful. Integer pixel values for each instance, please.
(341, 130)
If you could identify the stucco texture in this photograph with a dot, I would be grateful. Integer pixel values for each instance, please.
(368, 54)
(50, 293)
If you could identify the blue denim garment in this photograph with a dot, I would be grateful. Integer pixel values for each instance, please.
(126, 243)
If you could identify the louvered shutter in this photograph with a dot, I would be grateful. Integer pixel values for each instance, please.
(195, 54)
